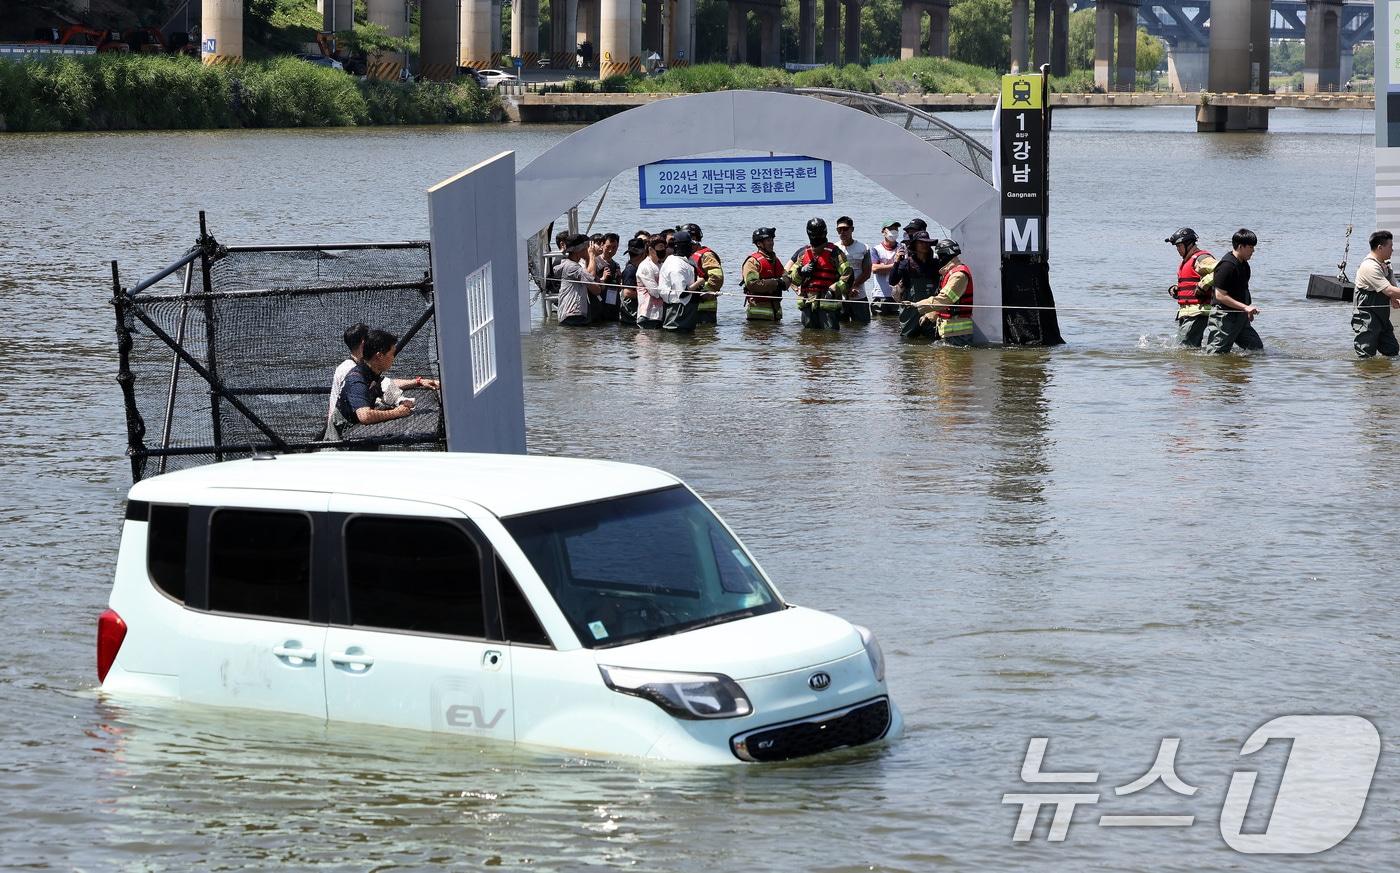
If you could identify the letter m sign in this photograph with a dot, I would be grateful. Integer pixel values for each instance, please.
(1020, 235)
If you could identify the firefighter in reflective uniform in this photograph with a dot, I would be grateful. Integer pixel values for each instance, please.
(707, 265)
(949, 310)
(1192, 291)
(764, 279)
(822, 275)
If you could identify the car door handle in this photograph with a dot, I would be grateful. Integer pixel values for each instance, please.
(304, 657)
(350, 659)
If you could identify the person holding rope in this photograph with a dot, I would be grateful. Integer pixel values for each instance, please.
(764, 278)
(651, 305)
(1192, 289)
(822, 275)
(916, 273)
(707, 267)
(1376, 295)
(679, 286)
(1232, 319)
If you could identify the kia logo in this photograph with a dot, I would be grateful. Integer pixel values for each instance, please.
(819, 682)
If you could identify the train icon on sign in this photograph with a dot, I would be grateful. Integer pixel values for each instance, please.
(1021, 92)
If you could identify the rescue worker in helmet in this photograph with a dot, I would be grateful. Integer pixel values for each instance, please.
(822, 275)
(764, 280)
(707, 266)
(1192, 290)
(949, 311)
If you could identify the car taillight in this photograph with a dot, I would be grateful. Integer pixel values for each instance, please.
(111, 630)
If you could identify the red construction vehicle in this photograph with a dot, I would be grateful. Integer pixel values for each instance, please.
(79, 34)
(146, 40)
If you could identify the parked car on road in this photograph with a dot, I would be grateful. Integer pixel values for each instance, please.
(492, 78)
(580, 605)
(322, 61)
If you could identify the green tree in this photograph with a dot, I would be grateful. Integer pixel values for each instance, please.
(880, 29)
(980, 33)
(1080, 48)
(1364, 60)
(1150, 51)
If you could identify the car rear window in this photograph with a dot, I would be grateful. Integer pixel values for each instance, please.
(260, 563)
(167, 542)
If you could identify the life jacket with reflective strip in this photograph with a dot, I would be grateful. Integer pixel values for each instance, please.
(826, 268)
(1188, 279)
(769, 266)
(697, 255)
(964, 307)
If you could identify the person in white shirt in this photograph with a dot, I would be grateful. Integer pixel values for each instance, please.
(857, 307)
(354, 341)
(679, 286)
(882, 257)
(651, 306)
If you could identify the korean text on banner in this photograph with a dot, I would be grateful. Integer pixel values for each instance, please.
(756, 181)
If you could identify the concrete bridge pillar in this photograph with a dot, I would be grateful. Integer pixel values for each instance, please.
(651, 26)
(437, 58)
(1322, 46)
(1059, 38)
(474, 38)
(770, 40)
(563, 29)
(1235, 64)
(831, 31)
(1042, 33)
(938, 28)
(525, 32)
(1020, 55)
(337, 15)
(588, 28)
(910, 24)
(1187, 66)
(1103, 46)
(852, 31)
(1348, 65)
(497, 38)
(392, 15)
(680, 45)
(1127, 47)
(634, 20)
(738, 33)
(222, 22)
(615, 56)
(806, 31)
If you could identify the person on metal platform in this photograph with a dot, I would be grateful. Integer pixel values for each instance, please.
(857, 305)
(708, 267)
(355, 342)
(679, 285)
(360, 398)
(764, 278)
(1192, 290)
(1232, 319)
(1376, 295)
(822, 275)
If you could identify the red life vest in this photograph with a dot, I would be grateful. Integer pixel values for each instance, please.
(697, 255)
(964, 307)
(826, 269)
(1188, 279)
(769, 267)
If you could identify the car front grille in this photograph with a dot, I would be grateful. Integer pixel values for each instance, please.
(853, 726)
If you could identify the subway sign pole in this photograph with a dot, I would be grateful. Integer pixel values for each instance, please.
(1023, 158)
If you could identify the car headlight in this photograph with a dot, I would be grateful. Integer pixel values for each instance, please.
(684, 695)
(873, 652)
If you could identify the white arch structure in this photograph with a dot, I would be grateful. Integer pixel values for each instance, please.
(901, 162)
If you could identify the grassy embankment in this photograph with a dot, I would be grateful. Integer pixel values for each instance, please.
(914, 76)
(143, 92)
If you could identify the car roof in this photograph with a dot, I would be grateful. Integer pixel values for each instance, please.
(503, 484)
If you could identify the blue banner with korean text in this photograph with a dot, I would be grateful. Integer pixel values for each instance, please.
(758, 181)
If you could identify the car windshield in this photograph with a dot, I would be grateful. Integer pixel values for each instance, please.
(642, 566)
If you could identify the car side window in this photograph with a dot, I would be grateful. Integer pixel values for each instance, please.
(167, 542)
(413, 574)
(260, 563)
(518, 620)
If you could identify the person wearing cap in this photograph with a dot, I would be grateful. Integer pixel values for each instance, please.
(679, 286)
(916, 273)
(881, 263)
(627, 303)
(857, 306)
(914, 226)
(764, 279)
(822, 274)
(576, 281)
(1232, 318)
(1376, 295)
(708, 267)
(1192, 290)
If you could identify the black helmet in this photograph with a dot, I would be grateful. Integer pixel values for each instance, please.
(946, 250)
(682, 243)
(816, 230)
(693, 229)
(763, 233)
(1183, 235)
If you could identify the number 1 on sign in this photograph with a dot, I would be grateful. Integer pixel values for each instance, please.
(1021, 120)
